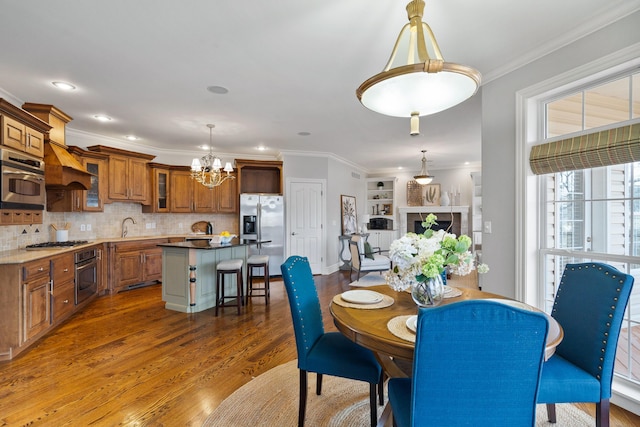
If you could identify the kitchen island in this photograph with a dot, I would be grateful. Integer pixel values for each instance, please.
(189, 273)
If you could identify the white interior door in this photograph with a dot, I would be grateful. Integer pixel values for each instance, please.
(305, 218)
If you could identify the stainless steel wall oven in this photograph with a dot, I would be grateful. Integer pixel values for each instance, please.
(22, 183)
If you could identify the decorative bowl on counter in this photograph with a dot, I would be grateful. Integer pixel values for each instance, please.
(222, 240)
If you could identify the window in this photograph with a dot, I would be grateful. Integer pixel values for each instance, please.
(594, 214)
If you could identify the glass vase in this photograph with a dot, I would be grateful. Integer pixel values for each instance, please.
(428, 293)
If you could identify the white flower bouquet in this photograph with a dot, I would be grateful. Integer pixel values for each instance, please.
(417, 257)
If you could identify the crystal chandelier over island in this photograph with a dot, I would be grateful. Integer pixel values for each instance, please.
(210, 173)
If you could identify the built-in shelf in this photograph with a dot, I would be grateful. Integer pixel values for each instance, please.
(380, 209)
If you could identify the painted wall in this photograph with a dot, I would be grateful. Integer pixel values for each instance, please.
(499, 135)
(341, 178)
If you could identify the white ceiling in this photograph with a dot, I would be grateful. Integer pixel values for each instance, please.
(290, 66)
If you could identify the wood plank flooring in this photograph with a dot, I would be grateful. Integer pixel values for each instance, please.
(125, 360)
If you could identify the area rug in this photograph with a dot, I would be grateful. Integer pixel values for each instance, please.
(371, 279)
(271, 399)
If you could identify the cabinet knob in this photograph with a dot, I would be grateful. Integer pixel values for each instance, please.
(66, 301)
(41, 269)
(293, 233)
(65, 270)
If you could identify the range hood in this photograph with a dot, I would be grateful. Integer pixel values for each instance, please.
(62, 170)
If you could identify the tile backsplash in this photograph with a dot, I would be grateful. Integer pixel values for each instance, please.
(108, 224)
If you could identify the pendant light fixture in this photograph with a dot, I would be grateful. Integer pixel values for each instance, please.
(424, 178)
(209, 172)
(417, 81)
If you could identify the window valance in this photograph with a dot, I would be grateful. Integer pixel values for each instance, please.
(604, 148)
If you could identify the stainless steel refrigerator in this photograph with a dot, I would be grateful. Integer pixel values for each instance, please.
(262, 220)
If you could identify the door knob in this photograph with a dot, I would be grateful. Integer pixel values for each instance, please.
(294, 233)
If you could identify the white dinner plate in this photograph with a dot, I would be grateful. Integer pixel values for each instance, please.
(412, 323)
(362, 296)
(447, 289)
(512, 303)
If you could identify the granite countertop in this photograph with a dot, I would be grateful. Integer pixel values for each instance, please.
(19, 256)
(205, 244)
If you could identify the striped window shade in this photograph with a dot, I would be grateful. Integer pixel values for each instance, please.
(604, 148)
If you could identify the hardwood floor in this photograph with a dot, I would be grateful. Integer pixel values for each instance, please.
(125, 360)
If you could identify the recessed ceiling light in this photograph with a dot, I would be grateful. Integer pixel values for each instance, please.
(102, 118)
(400, 168)
(466, 163)
(63, 85)
(304, 133)
(261, 148)
(218, 90)
(132, 137)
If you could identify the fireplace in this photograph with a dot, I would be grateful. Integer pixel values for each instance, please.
(410, 218)
(441, 225)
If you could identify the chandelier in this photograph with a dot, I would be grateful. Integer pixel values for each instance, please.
(424, 178)
(415, 83)
(210, 173)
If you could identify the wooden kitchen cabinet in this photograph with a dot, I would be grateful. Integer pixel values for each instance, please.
(62, 286)
(181, 192)
(134, 263)
(37, 296)
(188, 195)
(91, 200)
(259, 176)
(158, 200)
(227, 196)
(36, 284)
(15, 217)
(127, 174)
(22, 130)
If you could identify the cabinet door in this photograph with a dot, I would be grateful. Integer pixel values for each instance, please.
(153, 264)
(92, 200)
(34, 143)
(13, 133)
(161, 190)
(37, 316)
(181, 192)
(128, 268)
(203, 198)
(227, 196)
(137, 178)
(118, 178)
(63, 300)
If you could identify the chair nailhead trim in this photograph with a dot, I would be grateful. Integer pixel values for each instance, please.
(612, 307)
(305, 339)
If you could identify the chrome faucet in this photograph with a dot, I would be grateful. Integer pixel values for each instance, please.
(124, 228)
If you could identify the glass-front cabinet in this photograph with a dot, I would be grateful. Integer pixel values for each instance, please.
(159, 195)
(93, 198)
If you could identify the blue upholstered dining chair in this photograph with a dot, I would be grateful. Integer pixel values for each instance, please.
(476, 363)
(329, 353)
(589, 305)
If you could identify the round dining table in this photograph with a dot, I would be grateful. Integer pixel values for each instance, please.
(369, 327)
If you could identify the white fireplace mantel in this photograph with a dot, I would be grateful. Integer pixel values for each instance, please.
(463, 211)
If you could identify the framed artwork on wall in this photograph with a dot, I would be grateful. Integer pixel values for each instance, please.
(349, 218)
(432, 195)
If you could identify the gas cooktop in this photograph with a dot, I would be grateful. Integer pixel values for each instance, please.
(52, 245)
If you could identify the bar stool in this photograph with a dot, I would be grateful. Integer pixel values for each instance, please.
(230, 266)
(258, 261)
